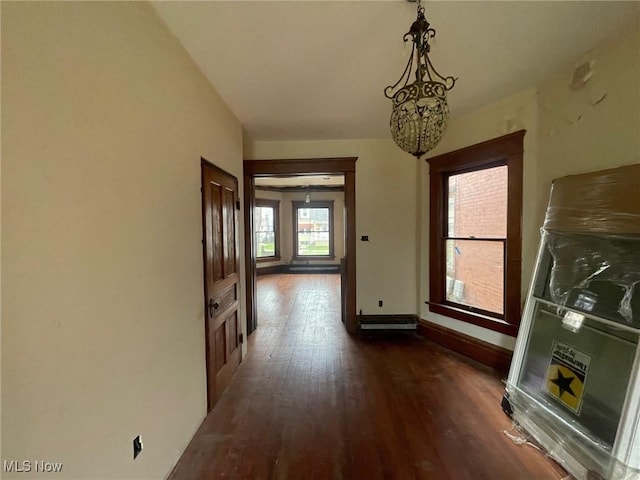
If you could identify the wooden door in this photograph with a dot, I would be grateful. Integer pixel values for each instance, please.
(222, 281)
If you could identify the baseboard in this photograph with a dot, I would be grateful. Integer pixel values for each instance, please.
(298, 268)
(303, 268)
(271, 269)
(486, 353)
(395, 322)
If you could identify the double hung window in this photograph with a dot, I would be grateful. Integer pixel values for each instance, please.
(313, 229)
(475, 233)
(266, 228)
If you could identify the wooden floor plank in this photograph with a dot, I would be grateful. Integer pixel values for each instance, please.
(311, 402)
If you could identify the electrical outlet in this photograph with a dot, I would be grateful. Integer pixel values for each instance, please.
(137, 446)
(380, 302)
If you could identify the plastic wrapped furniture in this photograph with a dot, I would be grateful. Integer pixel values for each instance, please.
(574, 382)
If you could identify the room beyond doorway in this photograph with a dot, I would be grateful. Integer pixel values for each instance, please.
(254, 169)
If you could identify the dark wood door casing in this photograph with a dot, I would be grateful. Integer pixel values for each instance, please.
(221, 278)
(292, 167)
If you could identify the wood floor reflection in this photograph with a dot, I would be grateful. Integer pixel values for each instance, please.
(311, 402)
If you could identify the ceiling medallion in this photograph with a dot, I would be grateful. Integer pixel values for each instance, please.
(420, 110)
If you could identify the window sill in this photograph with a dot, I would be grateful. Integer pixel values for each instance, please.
(484, 321)
(268, 259)
(316, 257)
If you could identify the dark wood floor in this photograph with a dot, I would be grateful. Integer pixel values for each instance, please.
(312, 402)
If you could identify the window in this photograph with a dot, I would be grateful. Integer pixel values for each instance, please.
(313, 230)
(266, 227)
(475, 233)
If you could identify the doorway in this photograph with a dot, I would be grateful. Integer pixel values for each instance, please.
(254, 169)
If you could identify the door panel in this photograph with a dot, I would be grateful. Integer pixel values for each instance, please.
(229, 211)
(220, 347)
(233, 332)
(215, 192)
(220, 193)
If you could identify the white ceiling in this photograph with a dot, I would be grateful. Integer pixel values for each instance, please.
(300, 180)
(314, 70)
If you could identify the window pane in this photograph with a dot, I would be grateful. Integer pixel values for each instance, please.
(313, 219)
(313, 231)
(477, 204)
(475, 274)
(313, 243)
(265, 231)
(265, 244)
(264, 219)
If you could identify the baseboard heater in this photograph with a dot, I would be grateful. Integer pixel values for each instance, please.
(314, 268)
(388, 322)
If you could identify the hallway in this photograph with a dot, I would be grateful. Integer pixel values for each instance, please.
(311, 402)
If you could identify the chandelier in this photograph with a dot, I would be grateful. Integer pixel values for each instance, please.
(420, 109)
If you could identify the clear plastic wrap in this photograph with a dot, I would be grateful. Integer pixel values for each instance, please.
(561, 438)
(592, 230)
(605, 202)
(573, 383)
(599, 275)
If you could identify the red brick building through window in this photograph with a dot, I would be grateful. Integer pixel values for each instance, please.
(477, 220)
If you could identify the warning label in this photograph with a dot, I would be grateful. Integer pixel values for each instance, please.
(567, 375)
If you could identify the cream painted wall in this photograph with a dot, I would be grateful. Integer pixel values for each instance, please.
(578, 134)
(386, 211)
(104, 121)
(568, 132)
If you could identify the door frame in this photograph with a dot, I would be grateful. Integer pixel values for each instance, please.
(292, 167)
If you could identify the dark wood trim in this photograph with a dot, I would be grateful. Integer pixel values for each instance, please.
(513, 246)
(295, 269)
(505, 150)
(207, 350)
(480, 154)
(486, 353)
(267, 202)
(340, 165)
(350, 249)
(271, 269)
(310, 188)
(437, 224)
(495, 324)
(275, 258)
(299, 166)
(250, 254)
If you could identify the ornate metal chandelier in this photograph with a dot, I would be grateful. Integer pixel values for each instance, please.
(420, 109)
